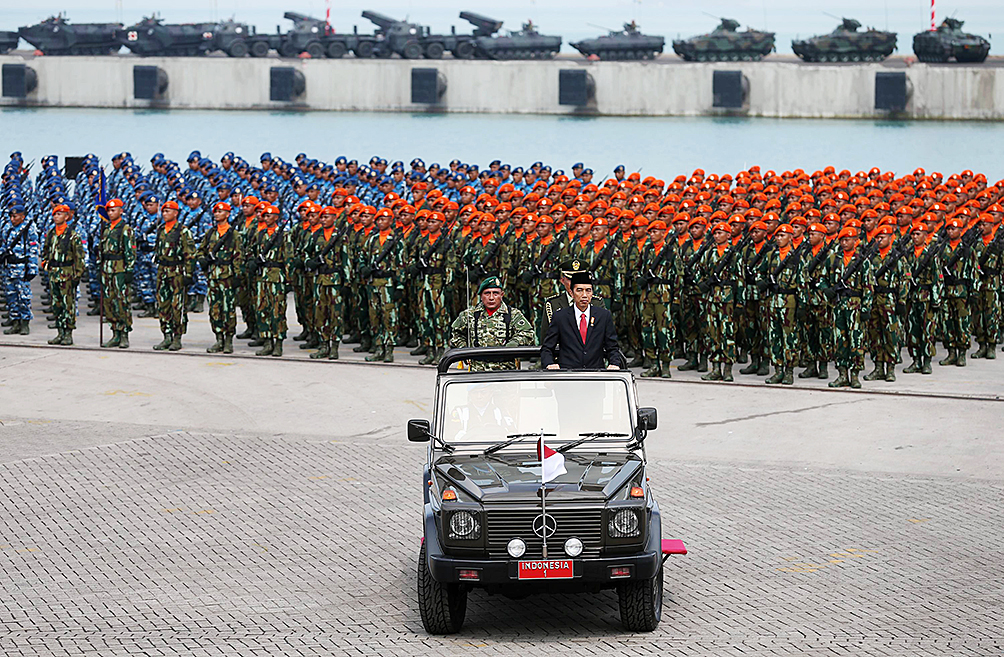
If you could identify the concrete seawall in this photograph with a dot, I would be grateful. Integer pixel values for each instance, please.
(773, 89)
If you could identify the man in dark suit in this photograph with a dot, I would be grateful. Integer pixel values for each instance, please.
(583, 335)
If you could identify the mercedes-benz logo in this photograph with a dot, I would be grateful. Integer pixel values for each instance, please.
(545, 526)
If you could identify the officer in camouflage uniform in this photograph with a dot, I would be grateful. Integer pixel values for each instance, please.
(924, 298)
(756, 320)
(632, 250)
(719, 273)
(221, 257)
(660, 281)
(328, 265)
(892, 280)
(784, 285)
(304, 250)
(850, 285)
(542, 270)
(693, 330)
(272, 251)
(381, 259)
(117, 249)
(604, 260)
(986, 302)
(301, 237)
(434, 254)
(959, 267)
(19, 243)
(818, 312)
(173, 252)
(64, 259)
(248, 229)
(491, 323)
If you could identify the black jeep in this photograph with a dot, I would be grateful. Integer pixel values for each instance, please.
(490, 520)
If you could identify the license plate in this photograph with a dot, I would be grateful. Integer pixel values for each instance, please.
(544, 569)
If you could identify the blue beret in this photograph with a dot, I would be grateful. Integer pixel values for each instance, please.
(194, 155)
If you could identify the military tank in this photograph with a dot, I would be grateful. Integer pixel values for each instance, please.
(57, 36)
(8, 41)
(153, 37)
(948, 42)
(625, 44)
(527, 43)
(846, 44)
(725, 43)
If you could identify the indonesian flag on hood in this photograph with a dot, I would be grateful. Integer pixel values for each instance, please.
(552, 464)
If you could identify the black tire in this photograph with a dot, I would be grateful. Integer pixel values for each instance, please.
(411, 50)
(336, 50)
(288, 49)
(434, 50)
(443, 606)
(238, 48)
(641, 603)
(315, 49)
(364, 50)
(464, 50)
(259, 49)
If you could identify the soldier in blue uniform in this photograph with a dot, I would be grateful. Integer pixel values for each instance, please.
(19, 264)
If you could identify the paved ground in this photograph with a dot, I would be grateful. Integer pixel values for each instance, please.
(156, 504)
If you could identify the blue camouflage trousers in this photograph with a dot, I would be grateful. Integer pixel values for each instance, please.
(199, 283)
(145, 278)
(18, 293)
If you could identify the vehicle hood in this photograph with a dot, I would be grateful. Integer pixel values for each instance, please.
(509, 478)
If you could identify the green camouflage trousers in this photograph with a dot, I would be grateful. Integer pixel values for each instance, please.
(657, 332)
(171, 300)
(245, 298)
(64, 303)
(328, 312)
(222, 299)
(955, 313)
(360, 303)
(721, 332)
(115, 295)
(986, 316)
(782, 337)
(694, 331)
(883, 331)
(848, 335)
(271, 310)
(755, 325)
(630, 330)
(920, 329)
(303, 298)
(383, 316)
(818, 333)
(435, 318)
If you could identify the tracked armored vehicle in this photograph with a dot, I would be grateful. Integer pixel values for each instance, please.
(527, 43)
(626, 44)
(725, 43)
(950, 42)
(57, 36)
(846, 44)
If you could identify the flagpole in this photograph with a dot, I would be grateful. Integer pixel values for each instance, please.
(543, 495)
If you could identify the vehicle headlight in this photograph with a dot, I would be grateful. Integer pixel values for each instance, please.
(624, 524)
(463, 525)
(516, 548)
(573, 547)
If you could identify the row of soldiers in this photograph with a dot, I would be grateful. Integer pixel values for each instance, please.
(762, 269)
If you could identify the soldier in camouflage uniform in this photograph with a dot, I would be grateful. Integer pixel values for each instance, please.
(605, 259)
(818, 313)
(959, 266)
(483, 257)
(491, 323)
(756, 319)
(248, 229)
(64, 259)
(328, 266)
(308, 217)
(892, 280)
(221, 256)
(783, 283)
(924, 298)
(117, 249)
(358, 290)
(272, 251)
(720, 280)
(986, 301)
(660, 280)
(173, 251)
(693, 330)
(433, 255)
(632, 251)
(542, 270)
(850, 285)
(381, 260)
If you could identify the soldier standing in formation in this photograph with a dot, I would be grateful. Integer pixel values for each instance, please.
(19, 265)
(64, 259)
(221, 257)
(173, 253)
(117, 256)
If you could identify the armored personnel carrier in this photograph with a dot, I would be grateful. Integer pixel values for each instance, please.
(57, 36)
(948, 42)
(8, 41)
(846, 44)
(527, 43)
(726, 43)
(624, 44)
(153, 37)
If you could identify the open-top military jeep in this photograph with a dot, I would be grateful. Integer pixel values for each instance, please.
(490, 520)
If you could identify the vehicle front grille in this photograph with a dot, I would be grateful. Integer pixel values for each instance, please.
(503, 525)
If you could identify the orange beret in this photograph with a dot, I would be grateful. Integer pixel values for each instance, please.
(785, 228)
(658, 224)
(222, 205)
(847, 232)
(170, 205)
(817, 228)
(115, 203)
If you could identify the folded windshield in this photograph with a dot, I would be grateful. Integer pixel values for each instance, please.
(487, 413)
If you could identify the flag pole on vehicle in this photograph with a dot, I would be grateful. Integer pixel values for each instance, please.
(552, 466)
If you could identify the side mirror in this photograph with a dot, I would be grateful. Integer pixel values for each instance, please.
(648, 418)
(419, 430)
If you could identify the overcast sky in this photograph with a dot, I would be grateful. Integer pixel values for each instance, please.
(568, 18)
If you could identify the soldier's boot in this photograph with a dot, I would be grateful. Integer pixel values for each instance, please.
(388, 354)
(94, 312)
(960, 360)
(752, 367)
(51, 317)
(364, 345)
(323, 351)
(950, 358)
(715, 374)
(430, 358)
(990, 355)
(58, 339)
(763, 369)
(890, 372)
(15, 327)
(727, 371)
(151, 311)
(778, 376)
(637, 361)
(691, 363)
(257, 342)
(228, 344)
(302, 335)
(877, 373)
(913, 367)
(824, 371)
(266, 349)
(412, 341)
(742, 358)
(841, 380)
(200, 304)
(247, 333)
(113, 341)
(353, 338)
(420, 350)
(138, 304)
(925, 366)
(277, 348)
(9, 322)
(163, 344)
(980, 353)
(175, 343)
(53, 325)
(666, 370)
(313, 341)
(333, 354)
(789, 377)
(217, 346)
(854, 383)
(375, 356)
(67, 338)
(809, 372)
(123, 339)
(192, 300)
(653, 371)
(702, 365)
(899, 357)
(25, 330)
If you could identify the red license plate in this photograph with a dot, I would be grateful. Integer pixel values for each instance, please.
(544, 569)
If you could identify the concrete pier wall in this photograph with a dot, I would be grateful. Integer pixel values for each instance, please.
(775, 89)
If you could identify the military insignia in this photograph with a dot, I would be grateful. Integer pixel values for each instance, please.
(575, 265)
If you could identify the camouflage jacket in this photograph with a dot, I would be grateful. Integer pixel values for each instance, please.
(118, 248)
(63, 255)
(989, 259)
(273, 253)
(226, 259)
(506, 327)
(330, 256)
(174, 251)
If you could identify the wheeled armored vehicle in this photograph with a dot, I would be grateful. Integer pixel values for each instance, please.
(57, 36)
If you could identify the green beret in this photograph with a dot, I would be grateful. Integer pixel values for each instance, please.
(491, 281)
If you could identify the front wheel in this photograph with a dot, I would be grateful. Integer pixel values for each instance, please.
(443, 606)
(641, 603)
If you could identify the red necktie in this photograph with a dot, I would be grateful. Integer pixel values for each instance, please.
(582, 327)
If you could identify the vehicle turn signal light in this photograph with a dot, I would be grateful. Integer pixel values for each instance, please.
(449, 495)
(469, 575)
(637, 491)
